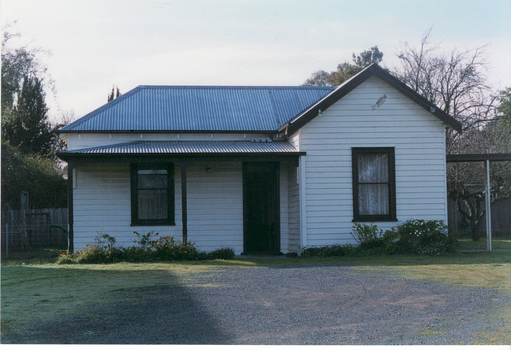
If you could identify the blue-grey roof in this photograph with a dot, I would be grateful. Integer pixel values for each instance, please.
(201, 108)
(190, 147)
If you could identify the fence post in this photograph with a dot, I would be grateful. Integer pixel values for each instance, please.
(488, 208)
(6, 239)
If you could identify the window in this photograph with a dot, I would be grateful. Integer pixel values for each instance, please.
(374, 184)
(152, 194)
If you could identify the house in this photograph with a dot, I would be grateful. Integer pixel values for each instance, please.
(257, 169)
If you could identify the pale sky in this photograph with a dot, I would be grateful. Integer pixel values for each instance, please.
(96, 44)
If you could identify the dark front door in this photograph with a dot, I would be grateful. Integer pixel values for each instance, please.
(261, 207)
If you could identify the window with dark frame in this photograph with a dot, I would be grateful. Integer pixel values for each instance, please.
(374, 184)
(152, 194)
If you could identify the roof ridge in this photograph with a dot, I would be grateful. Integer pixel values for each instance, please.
(258, 87)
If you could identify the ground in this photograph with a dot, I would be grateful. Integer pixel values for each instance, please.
(280, 304)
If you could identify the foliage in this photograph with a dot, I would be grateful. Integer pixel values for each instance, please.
(25, 122)
(103, 251)
(29, 144)
(114, 94)
(457, 83)
(345, 70)
(328, 251)
(221, 254)
(372, 239)
(18, 63)
(34, 174)
(104, 241)
(424, 237)
(504, 109)
(26, 126)
(411, 237)
(363, 233)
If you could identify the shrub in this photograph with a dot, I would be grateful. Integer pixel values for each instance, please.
(145, 241)
(328, 251)
(165, 249)
(104, 242)
(363, 233)
(372, 241)
(66, 259)
(103, 251)
(222, 254)
(424, 237)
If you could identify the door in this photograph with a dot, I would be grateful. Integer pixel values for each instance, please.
(261, 208)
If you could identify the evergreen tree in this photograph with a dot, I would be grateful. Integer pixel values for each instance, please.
(345, 70)
(114, 94)
(26, 126)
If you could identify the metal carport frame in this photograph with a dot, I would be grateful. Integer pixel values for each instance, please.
(486, 158)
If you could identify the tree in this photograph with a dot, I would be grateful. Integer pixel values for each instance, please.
(345, 70)
(114, 94)
(457, 83)
(29, 144)
(41, 177)
(26, 126)
(504, 109)
(25, 121)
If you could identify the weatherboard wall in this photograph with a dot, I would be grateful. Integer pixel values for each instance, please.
(419, 142)
(102, 204)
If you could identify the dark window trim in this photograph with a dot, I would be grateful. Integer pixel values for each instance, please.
(170, 221)
(390, 151)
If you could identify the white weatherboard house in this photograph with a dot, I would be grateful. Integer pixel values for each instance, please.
(257, 169)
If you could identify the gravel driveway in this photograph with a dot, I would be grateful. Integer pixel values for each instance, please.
(285, 305)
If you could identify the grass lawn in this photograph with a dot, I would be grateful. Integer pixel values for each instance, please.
(498, 243)
(36, 290)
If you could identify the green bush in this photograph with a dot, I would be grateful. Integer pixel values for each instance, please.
(40, 177)
(148, 249)
(328, 251)
(221, 254)
(411, 237)
(165, 249)
(424, 237)
(363, 233)
(372, 241)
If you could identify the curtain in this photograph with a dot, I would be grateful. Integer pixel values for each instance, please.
(373, 184)
(152, 194)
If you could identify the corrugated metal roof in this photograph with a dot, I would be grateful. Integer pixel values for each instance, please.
(201, 108)
(189, 147)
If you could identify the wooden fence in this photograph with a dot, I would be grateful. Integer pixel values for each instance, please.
(500, 218)
(40, 230)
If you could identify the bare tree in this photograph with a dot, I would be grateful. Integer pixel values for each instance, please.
(457, 83)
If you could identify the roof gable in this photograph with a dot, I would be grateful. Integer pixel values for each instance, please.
(342, 90)
(200, 109)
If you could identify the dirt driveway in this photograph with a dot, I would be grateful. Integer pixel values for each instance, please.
(282, 305)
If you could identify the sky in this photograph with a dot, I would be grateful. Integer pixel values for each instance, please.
(96, 44)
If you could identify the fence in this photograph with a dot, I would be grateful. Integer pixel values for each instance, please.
(500, 218)
(41, 230)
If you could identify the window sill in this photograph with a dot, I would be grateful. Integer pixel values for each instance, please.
(369, 220)
(152, 224)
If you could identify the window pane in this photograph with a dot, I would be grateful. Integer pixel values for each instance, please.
(152, 172)
(152, 204)
(373, 168)
(152, 181)
(373, 199)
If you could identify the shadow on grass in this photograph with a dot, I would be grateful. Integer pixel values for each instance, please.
(133, 313)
